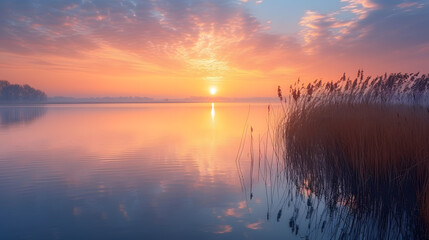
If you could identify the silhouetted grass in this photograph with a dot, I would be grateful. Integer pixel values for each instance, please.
(364, 144)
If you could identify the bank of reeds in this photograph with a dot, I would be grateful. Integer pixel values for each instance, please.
(363, 143)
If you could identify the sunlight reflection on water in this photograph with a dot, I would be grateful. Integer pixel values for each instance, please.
(213, 113)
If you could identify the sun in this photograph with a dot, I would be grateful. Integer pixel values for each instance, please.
(213, 90)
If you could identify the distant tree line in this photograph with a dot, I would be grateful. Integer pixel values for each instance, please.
(19, 93)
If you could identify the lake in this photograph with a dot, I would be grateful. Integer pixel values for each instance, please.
(131, 171)
(173, 171)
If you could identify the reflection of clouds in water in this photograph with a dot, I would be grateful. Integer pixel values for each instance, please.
(233, 212)
(140, 189)
(136, 170)
(239, 211)
(223, 229)
(242, 204)
(256, 225)
(77, 211)
(123, 210)
(17, 115)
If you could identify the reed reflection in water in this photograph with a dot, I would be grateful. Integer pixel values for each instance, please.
(321, 194)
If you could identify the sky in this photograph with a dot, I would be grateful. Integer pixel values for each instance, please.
(183, 48)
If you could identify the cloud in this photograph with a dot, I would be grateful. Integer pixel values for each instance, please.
(389, 29)
(366, 4)
(324, 30)
(377, 25)
(210, 38)
(407, 4)
(379, 35)
(207, 35)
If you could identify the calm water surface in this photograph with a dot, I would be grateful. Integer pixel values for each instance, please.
(133, 171)
(177, 171)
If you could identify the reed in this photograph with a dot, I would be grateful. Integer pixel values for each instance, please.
(362, 143)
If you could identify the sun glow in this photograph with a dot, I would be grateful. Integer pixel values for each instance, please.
(213, 90)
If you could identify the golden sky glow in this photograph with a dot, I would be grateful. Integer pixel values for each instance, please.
(168, 48)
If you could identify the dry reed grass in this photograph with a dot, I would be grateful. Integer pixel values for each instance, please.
(364, 143)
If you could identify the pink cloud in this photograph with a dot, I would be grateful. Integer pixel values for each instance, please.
(407, 4)
(364, 3)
